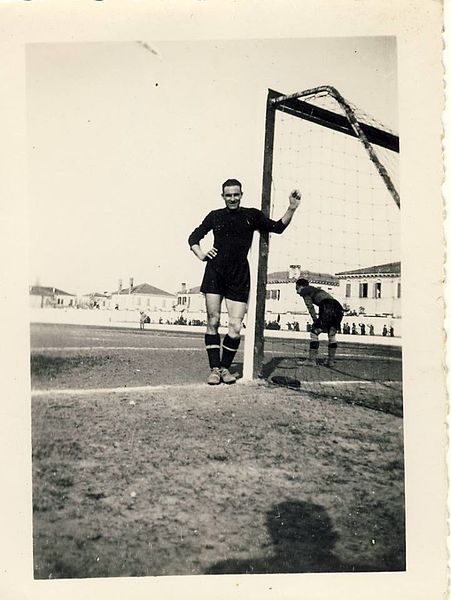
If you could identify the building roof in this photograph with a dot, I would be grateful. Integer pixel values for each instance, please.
(39, 290)
(193, 290)
(284, 277)
(97, 295)
(393, 268)
(145, 289)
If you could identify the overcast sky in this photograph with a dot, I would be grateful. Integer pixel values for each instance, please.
(129, 144)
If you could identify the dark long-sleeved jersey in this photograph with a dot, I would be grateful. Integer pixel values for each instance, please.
(233, 231)
(314, 295)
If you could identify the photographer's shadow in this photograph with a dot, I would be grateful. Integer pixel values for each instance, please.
(303, 540)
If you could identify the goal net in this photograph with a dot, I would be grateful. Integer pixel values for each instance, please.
(344, 239)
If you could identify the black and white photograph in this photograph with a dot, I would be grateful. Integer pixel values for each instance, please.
(218, 309)
(146, 160)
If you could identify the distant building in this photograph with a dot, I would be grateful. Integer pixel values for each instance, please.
(143, 297)
(282, 302)
(190, 299)
(281, 297)
(95, 300)
(50, 297)
(372, 290)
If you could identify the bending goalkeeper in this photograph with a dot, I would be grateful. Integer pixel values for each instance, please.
(328, 320)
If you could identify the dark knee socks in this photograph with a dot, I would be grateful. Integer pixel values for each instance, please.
(213, 347)
(332, 350)
(229, 347)
(313, 348)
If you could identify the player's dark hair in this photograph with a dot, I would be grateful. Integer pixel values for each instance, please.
(302, 281)
(230, 182)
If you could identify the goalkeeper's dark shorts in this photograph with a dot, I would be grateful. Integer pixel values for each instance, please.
(330, 314)
(232, 282)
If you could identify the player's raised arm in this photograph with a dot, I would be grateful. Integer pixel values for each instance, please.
(264, 223)
(294, 201)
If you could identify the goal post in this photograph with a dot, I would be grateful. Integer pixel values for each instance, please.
(254, 338)
(324, 108)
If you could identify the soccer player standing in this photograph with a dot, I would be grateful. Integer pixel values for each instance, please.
(227, 275)
(330, 315)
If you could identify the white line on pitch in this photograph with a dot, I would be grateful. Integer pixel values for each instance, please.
(174, 336)
(371, 356)
(119, 390)
(90, 348)
(181, 386)
(349, 382)
(192, 349)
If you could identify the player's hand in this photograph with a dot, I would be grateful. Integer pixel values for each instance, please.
(295, 199)
(211, 254)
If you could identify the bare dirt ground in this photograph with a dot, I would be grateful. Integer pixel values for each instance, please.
(188, 479)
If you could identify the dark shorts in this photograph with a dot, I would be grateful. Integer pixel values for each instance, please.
(232, 283)
(330, 314)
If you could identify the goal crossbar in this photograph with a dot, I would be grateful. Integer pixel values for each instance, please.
(294, 106)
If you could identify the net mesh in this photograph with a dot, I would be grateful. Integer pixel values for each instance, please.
(345, 238)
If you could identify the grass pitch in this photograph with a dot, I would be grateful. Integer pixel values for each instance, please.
(188, 479)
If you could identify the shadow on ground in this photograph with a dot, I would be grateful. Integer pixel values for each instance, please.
(374, 386)
(303, 540)
(352, 369)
